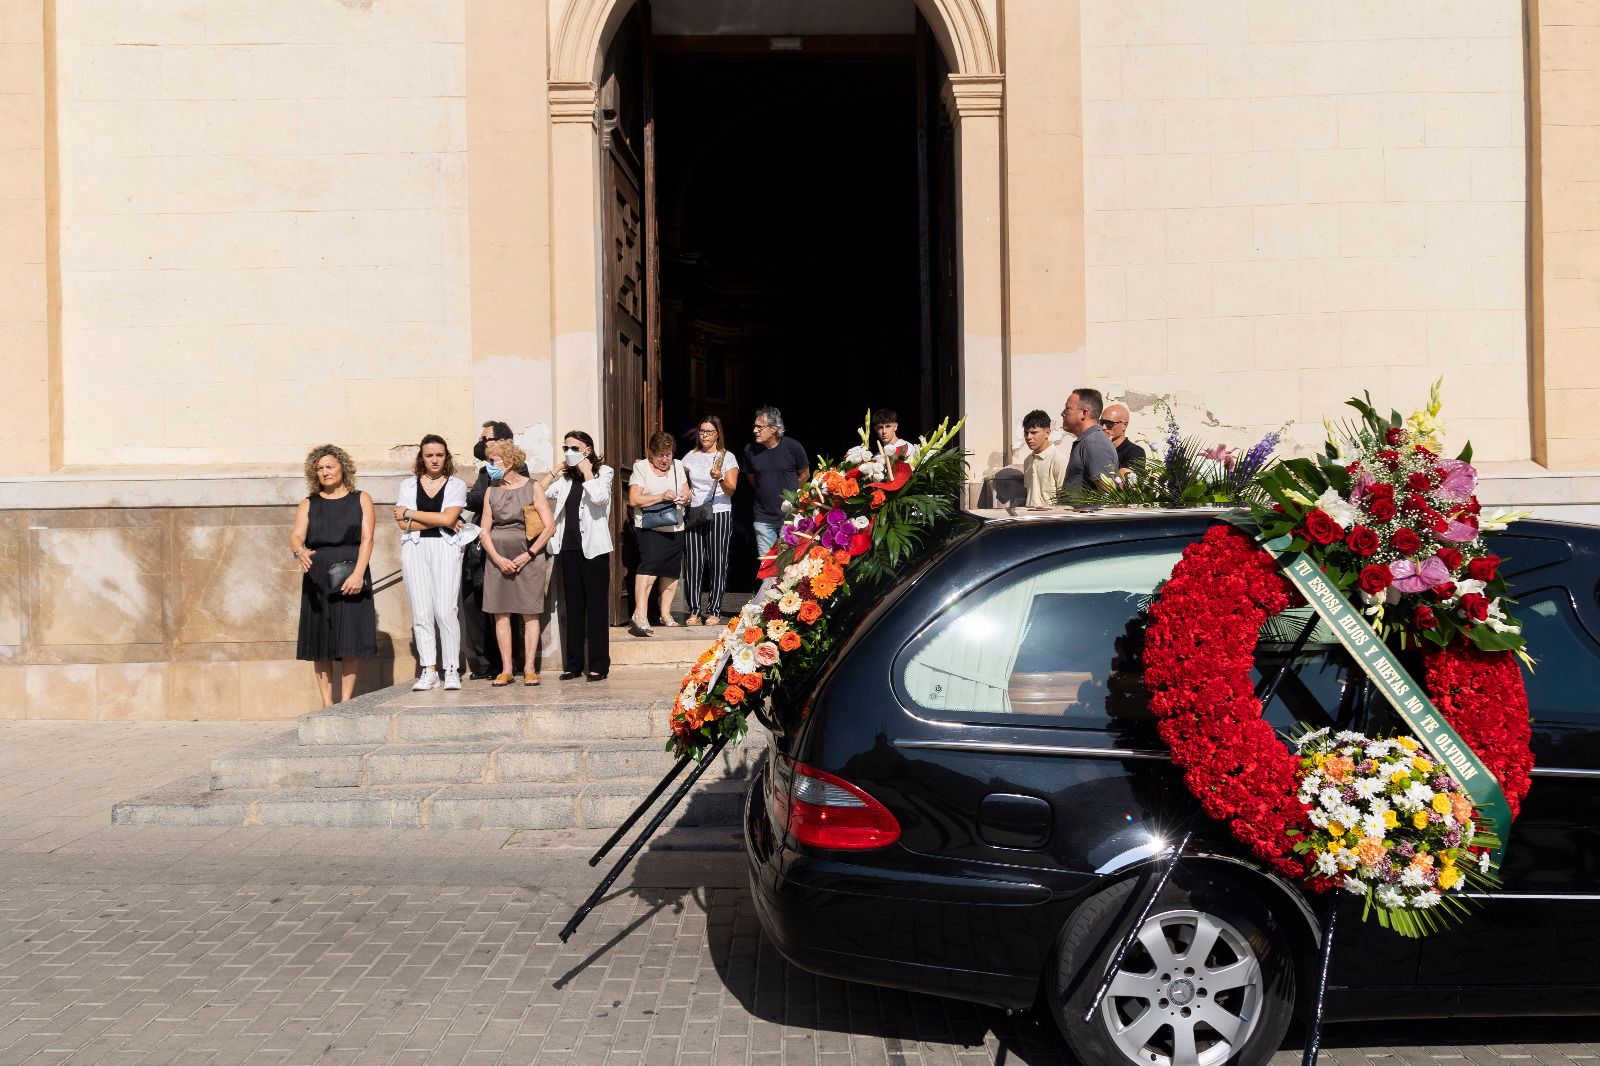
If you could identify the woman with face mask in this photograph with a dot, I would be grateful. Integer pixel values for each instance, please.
(477, 640)
(428, 506)
(580, 497)
(518, 573)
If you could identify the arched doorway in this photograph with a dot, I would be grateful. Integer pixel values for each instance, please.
(784, 218)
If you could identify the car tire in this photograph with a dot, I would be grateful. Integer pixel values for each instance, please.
(1170, 1006)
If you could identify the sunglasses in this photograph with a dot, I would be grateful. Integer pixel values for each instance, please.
(1109, 423)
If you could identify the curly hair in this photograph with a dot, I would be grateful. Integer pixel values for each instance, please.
(346, 464)
(660, 443)
(508, 452)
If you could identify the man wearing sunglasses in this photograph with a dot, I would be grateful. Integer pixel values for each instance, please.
(1114, 420)
(1093, 456)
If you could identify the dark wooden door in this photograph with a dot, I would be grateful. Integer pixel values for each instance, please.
(632, 382)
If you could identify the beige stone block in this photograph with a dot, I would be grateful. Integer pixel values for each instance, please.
(1260, 288)
(11, 578)
(1296, 231)
(1474, 120)
(1383, 229)
(1128, 349)
(1308, 21)
(1119, 237)
(22, 173)
(1569, 13)
(1342, 66)
(1499, 283)
(1290, 342)
(1167, 181)
(1375, 20)
(1565, 252)
(1164, 72)
(1247, 178)
(1472, 18)
(1110, 22)
(1383, 338)
(1341, 175)
(1577, 453)
(1104, 187)
(164, 22)
(1570, 205)
(1420, 174)
(1569, 152)
(236, 584)
(206, 692)
(1383, 120)
(1105, 293)
(1479, 338)
(13, 692)
(1451, 65)
(1341, 285)
(1573, 410)
(1253, 69)
(64, 692)
(1501, 173)
(101, 586)
(1569, 48)
(21, 67)
(1571, 303)
(22, 293)
(1102, 73)
(404, 180)
(1251, 404)
(1168, 290)
(1207, 126)
(264, 183)
(1572, 358)
(1124, 127)
(1476, 229)
(1426, 284)
(1210, 234)
(276, 688)
(131, 692)
(1214, 344)
(109, 72)
(22, 21)
(408, 68)
(1201, 21)
(1294, 122)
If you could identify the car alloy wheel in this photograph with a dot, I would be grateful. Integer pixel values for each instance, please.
(1208, 980)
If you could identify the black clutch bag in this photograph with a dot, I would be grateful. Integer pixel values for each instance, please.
(338, 574)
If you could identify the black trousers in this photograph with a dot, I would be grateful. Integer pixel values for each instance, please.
(585, 612)
(478, 642)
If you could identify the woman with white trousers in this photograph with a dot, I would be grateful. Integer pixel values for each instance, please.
(428, 512)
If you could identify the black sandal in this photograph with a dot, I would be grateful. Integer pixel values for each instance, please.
(598, 677)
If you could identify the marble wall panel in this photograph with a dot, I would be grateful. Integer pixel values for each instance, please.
(203, 691)
(131, 692)
(62, 692)
(13, 692)
(101, 585)
(13, 531)
(235, 584)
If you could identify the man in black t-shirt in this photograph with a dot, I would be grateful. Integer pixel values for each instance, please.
(773, 464)
(1114, 420)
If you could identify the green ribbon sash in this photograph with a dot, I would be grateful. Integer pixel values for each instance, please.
(1380, 664)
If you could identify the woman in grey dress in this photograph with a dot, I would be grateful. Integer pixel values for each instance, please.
(517, 574)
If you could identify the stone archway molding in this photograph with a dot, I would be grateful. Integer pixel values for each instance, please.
(578, 48)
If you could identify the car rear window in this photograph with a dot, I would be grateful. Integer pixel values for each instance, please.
(1059, 642)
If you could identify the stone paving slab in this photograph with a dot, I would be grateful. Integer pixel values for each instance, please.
(238, 947)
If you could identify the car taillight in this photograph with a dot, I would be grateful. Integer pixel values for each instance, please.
(824, 811)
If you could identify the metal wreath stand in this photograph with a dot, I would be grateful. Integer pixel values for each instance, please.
(1265, 692)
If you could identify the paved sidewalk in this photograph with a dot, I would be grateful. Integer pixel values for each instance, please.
(245, 946)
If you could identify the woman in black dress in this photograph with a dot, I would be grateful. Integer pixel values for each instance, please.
(332, 540)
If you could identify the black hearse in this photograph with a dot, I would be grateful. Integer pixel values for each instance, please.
(967, 795)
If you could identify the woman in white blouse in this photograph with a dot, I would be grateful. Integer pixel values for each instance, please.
(658, 491)
(580, 499)
(427, 510)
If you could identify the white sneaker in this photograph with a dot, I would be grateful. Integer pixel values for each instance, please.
(429, 679)
(452, 679)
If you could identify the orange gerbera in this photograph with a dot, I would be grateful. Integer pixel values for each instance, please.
(789, 641)
(810, 611)
(733, 695)
(822, 588)
(753, 635)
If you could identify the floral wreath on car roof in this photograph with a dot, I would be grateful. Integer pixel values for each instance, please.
(1388, 524)
(854, 524)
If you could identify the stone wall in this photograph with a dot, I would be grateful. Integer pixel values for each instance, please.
(163, 598)
(24, 233)
(1290, 201)
(263, 227)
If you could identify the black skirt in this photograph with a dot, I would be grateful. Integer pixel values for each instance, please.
(660, 552)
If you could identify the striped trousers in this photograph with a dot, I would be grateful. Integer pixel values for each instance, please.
(705, 562)
(432, 571)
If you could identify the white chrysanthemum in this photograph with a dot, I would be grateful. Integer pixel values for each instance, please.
(812, 567)
(790, 602)
(1311, 783)
(1319, 819)
(1420, 794)
(1349, 736)
(1424, 900)
(1372, 826)
(1347, 860)
(1379, 748)
(1348, 814)
(1355, 886)
(1327, 865)
(1391, 897)
(1330, 798)
(1412, 877)
(1311, 737)
(1369, 788)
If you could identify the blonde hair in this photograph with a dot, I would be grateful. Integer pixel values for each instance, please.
(346, 464)
(507, 452)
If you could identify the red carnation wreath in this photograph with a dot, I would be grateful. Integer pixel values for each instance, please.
(1199, 651)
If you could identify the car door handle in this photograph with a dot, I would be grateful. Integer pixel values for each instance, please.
(1007, 820)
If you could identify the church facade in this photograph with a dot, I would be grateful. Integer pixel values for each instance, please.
(231, 231)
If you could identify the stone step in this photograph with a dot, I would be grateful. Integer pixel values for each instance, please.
(283, 762)
(678, 647)
(633, 703)
(532, 806)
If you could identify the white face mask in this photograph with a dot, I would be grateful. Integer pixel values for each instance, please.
(574, 457)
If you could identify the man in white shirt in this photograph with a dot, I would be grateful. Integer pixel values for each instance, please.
(1046, 465)
(886, 427)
